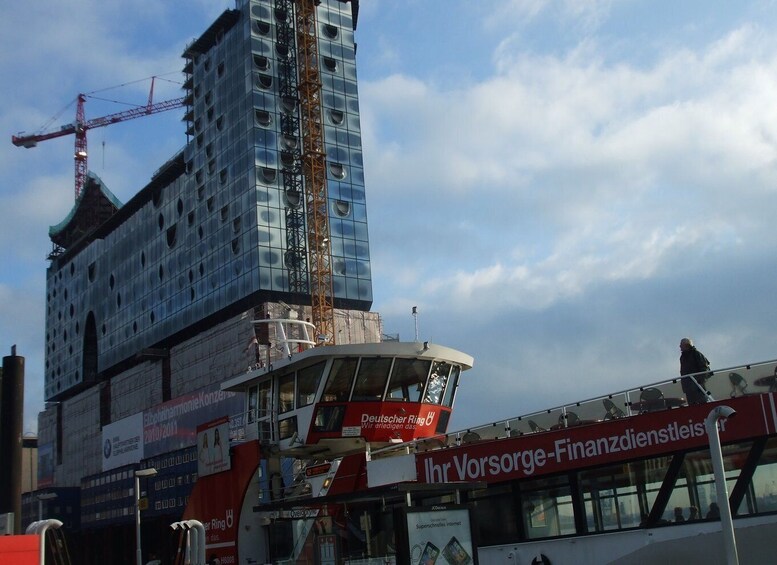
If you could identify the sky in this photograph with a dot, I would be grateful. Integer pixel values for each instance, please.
(562, 188)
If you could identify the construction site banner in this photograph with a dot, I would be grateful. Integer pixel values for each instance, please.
(173, 425)
(123, 442)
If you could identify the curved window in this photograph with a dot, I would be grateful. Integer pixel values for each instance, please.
(293, 197)
(450, 387)
(289, 141)
(371, 379)
(342, 208)
(337, 170)
(262, 28)
(268, 175)
(171, 236)
(336, 117)
(407, 379)
(338, 386)
(330, 64)
(330, 31)
(307, 383)
(263, 81)
(437, 381)
(261, 62)
(263, 117)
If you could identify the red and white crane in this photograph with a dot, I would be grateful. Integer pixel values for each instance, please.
(81, 125)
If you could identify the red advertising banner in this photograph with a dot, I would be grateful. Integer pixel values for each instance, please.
(596, 444)
(217, 501)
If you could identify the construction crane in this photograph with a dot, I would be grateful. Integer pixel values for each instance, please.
(80, 126)
(314, 171)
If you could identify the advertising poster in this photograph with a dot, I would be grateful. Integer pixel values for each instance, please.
(45, 464)
(173, 425)
(440, 536)
(213, 447)
(123, 442)
(585, 446)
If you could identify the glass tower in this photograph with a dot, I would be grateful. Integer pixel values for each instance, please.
(221, 226)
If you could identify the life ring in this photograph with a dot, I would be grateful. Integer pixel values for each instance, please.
(541, 559)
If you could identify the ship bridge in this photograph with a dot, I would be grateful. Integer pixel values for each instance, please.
(326, 402)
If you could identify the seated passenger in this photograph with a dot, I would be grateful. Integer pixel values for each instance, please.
(678, 514)
(714, 512)
(693, 513)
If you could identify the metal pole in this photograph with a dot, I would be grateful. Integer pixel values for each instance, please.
(716, 454)
(138, 552)
(150, 472)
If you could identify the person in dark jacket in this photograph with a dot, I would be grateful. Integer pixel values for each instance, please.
(693, 361)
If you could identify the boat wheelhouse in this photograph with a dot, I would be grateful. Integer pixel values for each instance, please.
(345, 458)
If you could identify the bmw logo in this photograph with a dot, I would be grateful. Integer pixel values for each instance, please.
(107, 448)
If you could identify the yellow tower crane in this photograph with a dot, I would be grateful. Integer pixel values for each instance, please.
(314, 172)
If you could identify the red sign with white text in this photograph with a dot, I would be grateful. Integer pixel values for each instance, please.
(383, 421)
(596, 444)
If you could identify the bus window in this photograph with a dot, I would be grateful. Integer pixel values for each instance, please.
(437, 381)
(307, 383)
(407, 379)
(338, 387)
(371, 378)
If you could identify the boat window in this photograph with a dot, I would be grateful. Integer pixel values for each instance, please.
(764, 483)
(338, 387)
(371, 378)
(307, 383)
(611, 495)
(496, 514)
(265, 398)
(286, 393)
(547, 508)
(437, 380)
(451, 385)
(329, 418)
(287, 427)
(407, 379)
(695, 486)
(253, 398)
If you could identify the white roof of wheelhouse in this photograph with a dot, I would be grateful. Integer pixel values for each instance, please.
(312, 355)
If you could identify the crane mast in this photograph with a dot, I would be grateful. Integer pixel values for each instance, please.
(80, 126)
(314, 171)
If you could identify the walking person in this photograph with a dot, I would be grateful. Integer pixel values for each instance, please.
(693, 361)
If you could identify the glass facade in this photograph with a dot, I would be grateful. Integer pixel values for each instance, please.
(221, 224)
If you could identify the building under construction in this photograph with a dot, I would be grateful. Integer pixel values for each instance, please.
(151, 303)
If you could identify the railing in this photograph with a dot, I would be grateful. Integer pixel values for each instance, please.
(663, 395)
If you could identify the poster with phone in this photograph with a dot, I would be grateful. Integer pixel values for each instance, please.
(440, 537)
